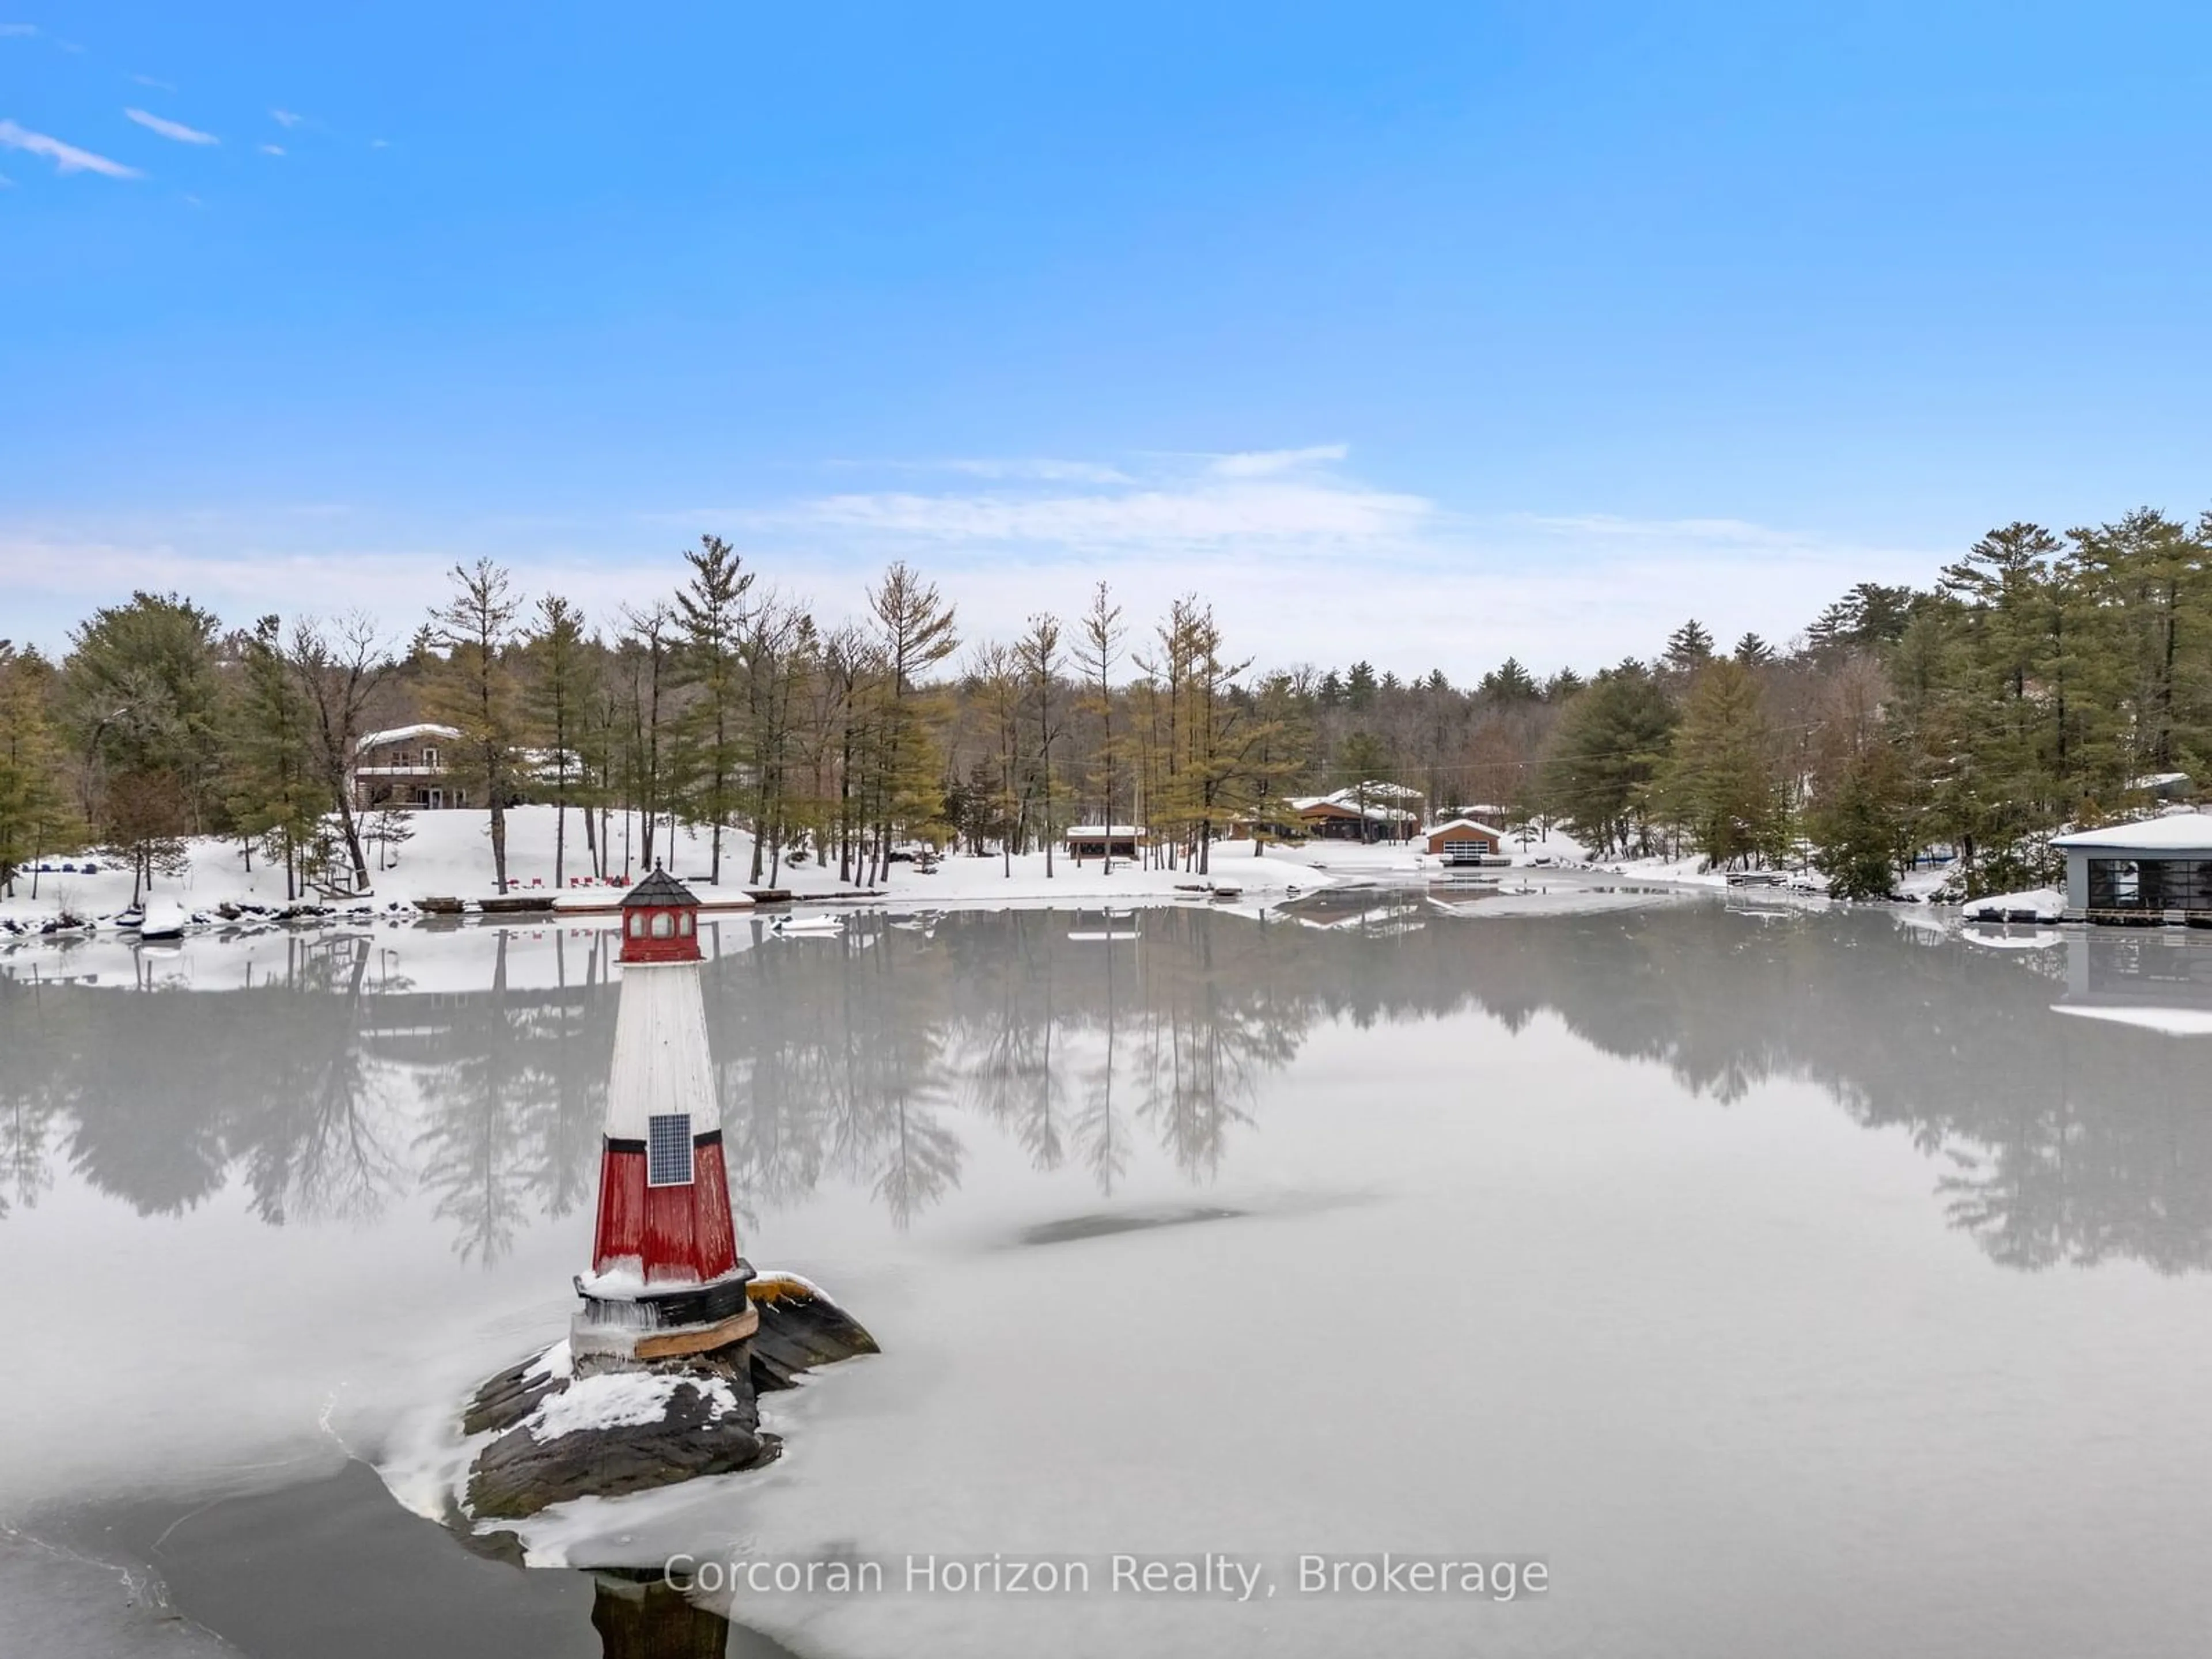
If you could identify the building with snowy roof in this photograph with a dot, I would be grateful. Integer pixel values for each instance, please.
(1098, 841)
(405, 766)
(1367, 812)
(1465, 841)
(2154, 869)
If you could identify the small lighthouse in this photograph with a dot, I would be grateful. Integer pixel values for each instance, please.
(666, 1280)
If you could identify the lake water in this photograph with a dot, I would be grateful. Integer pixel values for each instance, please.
(1783, 1280)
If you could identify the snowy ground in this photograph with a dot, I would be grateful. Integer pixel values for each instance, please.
(450, 857)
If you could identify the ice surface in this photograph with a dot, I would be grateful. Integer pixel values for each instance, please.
(1725, 1265)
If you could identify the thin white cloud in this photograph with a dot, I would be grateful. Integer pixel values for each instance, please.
(1605, 527)
(6, 183)
(1002, 468)
(380, 143)
(285, 118)
(1105, 508)
(17, 31)
(272, 149)
(168, 129)
(149, 81)
(1260, 463)
(1300, 566)
(1403, 609)
(1279, 512)
(1044, 470)
(66, 158)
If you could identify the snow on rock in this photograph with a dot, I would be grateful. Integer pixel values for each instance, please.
(610, 1434)
(2037, 904)
(615, 1399)
(555, 1362)
(163, 919)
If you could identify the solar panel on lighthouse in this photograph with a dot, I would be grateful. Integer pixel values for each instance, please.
(668, 1150)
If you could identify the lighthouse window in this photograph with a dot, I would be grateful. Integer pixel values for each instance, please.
(683, 924)
(636, 924)
(663, 924)
(668, 1150)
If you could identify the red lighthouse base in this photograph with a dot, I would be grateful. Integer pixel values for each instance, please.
(680, 1232)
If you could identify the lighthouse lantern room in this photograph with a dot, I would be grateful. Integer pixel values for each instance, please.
(666, 1279)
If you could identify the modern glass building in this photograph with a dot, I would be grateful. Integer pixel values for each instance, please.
(2146, 868)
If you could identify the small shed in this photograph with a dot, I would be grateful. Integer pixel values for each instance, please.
(1098, 841)
(1464, 840)
(2143, 870)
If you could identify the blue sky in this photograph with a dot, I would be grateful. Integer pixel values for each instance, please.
(1424, 333)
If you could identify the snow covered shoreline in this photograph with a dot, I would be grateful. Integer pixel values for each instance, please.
(450, 858)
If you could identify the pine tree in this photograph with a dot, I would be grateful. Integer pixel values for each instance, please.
(1752, 651)
(778, 650)
(653, 749)
(1720, 782)
(1095, 654)
(1222, 731)
(1040, 666)
(1605, 758)
(35, 811)
(1360, 688)
(994, 680)
(1509, 683)
(276, 792)
(1689, 647)
(2010, 703)
(557, 694)
(473, 688)
(1860, 816)
(711, 608)
(2152, 580)
(143, 695)
(1869, 618)
(916, 631)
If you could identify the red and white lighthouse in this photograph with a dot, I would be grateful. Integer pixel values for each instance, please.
(666, 1279)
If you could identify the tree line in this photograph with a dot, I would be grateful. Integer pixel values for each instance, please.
(2043, 680)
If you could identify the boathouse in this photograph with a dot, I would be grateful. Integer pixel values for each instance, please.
(1463, 841)
(2154, 869)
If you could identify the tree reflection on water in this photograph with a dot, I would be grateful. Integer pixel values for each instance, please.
(333, 1085)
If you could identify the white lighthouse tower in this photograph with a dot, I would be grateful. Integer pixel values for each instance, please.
(666, 1280)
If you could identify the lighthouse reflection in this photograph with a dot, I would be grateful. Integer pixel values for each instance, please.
(465, 1070)
(639, 1615)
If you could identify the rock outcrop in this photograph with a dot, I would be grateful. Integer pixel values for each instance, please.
(558, 1434)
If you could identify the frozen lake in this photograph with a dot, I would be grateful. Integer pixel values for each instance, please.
(1784, 1281)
